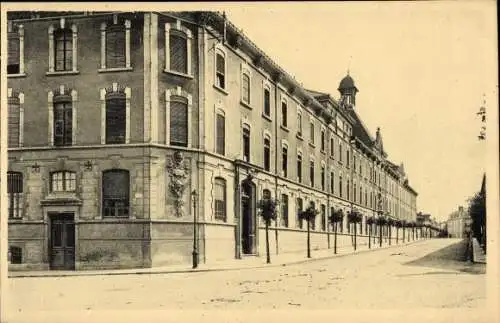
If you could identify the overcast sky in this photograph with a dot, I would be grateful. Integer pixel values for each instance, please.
(421, 69)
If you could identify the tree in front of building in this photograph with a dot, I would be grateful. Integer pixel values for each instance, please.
(354, 217)
(268, 210)
(477, 211)
(390, 223)
(397, 224)
(381, 221)
(335, 218)
(369, 222)
(309, 215)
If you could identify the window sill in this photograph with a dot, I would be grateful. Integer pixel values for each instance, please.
(220, 90)
(187, 76)
(62, 73)
(246, 105)
(18, 75)
(268, 118)
(115, 69)
(332, 158)
(323, 152)
(312, 145)
(284, 128)
(299, 137)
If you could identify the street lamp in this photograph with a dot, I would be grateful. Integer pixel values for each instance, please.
(195, 235)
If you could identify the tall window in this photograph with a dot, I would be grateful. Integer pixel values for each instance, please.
(15, 193)
(245, 88)
(323, 177)
(299, 168)
(340, 152)
(340, 186)
(178, 121)
(220, 199)
(220, 70)
(267, 154)
(284, 114)
(354, 196)
(267, 103)
(13, 53)
(246, 144)
(115, 193)
(14, 133)
(366, 198)
(220, 146)
(299, 220)
(348, 189)
(63, 181)
(360, 194)
(284, 210)
(312, 133)
(353, 161)
(115, 46)
(323, 217)
(323, 140)
(178, 51)
(299, 124)
(284, 161)
(332, 147)
(348, 160)
(332, 182)
(115, 118)
(63, 55)
(63, 121)
(311, 173)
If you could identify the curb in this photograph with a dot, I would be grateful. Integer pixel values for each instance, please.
(190, 270)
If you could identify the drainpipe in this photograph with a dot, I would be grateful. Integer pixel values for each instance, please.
(276, 88)
(237, 209)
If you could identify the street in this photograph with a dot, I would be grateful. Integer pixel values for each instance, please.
(429, 273)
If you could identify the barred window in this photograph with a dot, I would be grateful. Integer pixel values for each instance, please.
(284, 210)
(63, 56)
(267, 154)
(13, 53)
(221, 134)
(63, 121)
(63, 181)
(220, 71)
(116, 118)
(115, 193)
(115, 46)
(14, 122)
(220, 199)
(245, 88)
(15, 193)
(178, 51)
(179, 121)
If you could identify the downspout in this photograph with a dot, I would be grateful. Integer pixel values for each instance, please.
(276, 172)
(201, 134)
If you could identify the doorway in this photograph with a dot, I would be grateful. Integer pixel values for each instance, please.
(248, 238)
(62, 241)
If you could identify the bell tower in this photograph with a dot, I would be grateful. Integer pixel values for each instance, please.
(348, 91)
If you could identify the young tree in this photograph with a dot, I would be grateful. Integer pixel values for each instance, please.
(268, 211)
(397, 224)
(354, 217)
(309, 215)
(381, 221)
(390, 223)
(369, 222)
(336, 217)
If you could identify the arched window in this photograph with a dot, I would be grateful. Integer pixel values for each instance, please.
(63, 181)
(178, 121)
(63, 45)
(220, 199)
(299, 124)
(312, 132)
(116, 118)
(332, 182)
(15, 194)
(220, 144)
(267, 153)
(115, 193)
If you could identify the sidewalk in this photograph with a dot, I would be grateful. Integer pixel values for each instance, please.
(477, 252)
(248, 262)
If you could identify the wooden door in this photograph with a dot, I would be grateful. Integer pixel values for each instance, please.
(62, 241)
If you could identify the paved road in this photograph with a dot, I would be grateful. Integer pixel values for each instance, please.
(425, 274)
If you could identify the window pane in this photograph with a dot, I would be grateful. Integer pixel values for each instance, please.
(220, 71)
(178, 122)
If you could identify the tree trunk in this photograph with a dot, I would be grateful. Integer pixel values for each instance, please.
(390, 235)
(268, 255)
(355, 229)
(328, 234)
(380, 235)
(369, 236)
(403, 234)
(308, 240)
(335, 239)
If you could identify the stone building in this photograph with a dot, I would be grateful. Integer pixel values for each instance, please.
(121, 123)
(458, 223)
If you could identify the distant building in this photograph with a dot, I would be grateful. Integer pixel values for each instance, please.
(458, 223)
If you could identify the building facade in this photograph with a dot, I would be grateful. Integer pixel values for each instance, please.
(124, 128)
(458, 223)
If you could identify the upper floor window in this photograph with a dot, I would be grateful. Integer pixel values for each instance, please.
(63, 121)
(323, 217)
(116, 119)
(115, 44)
(332, 147)
(284, 210)
(62, 47)
(15, 49)
(15, 192)
(284, 160)
(220, 199)
(323, 139)
(266, 194)
(299, 219)
(312, 133)
(299, 124)
(245, 88)
(63, 181)
(299, 168)
(178, 48)
(220, 144)
(267, 102)
(115, 193)
(332, 182)
(267, 153)
(178, 121)
(348, 159)
(348, 190)
(246, 144)
(220, 69)
(311, 172)
(340, 152)
(323, 177)
(15, 101)
(284, 114)
(340, 186)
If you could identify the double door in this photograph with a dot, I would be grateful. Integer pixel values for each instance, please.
(62, 241)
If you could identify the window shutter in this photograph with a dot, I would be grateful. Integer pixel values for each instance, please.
(13, 136)
(115, 46)
(14, 182)
(115, 120)
(13, 49)
(221, 134)
(178, 52)
(178, 122)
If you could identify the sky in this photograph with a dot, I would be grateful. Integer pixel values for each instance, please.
(421, 68)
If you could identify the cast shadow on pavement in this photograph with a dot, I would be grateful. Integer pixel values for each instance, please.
(451, 258)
